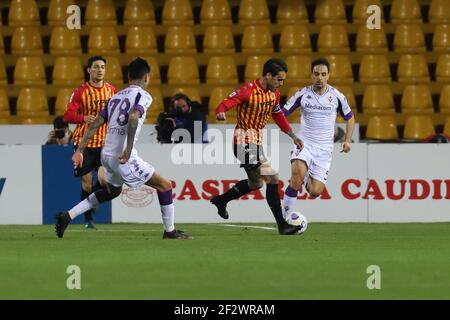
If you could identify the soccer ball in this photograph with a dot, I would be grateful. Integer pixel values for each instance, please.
(297, 219)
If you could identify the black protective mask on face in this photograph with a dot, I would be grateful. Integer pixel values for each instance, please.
(60, 133)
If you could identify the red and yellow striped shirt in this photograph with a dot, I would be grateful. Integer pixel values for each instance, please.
(88, 100)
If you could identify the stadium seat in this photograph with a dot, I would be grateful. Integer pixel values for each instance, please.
(65, 42)
(2, 44)
(347, 91)
(443, 68)
(382, 128)
(444, 99)
(140, 40)
(295, 39)
(447, 128)
(374, 68)
(378, 99)
(257, 40)
(26, 41)
(155, 75)
(35, 120)
(252, 12)
(191, 92)
(221, 70)
(439, 11)
(218, 40)
(292, 12)
(32, 102)
(441, 38)
(180, 40)
(68, 71)
(62, 99)
(3, 77)
(216, 97)
(139, 13)
(417, 99)
(418, 128)
(409, 38)
(330, 12)
(405, 11)
(371, 40)
(413, 68)
(333, 39)
(4, 104)
(100, 13)
(215, 12)
(299, 70)
(23, 13)
(57, 12)
(254, 67)
(158, 102)
(177, 12)
(340, 69)
(183, 71)
(103, 41)
(359, 13)
(29, 71)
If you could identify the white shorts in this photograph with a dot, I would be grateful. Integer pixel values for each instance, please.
(134, 173)
(318, 160)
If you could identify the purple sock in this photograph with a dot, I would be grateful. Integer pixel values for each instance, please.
(165, 197)
(291, 192)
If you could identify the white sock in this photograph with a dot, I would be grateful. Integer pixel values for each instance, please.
(288, 204)
(83, 206)
(168, 217)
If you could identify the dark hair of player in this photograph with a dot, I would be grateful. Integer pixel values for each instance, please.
(92, 59)
(320, 61)
(274, 66)
(138, 68)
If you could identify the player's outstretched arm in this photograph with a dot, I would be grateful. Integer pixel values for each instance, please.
(348, 134)
(133, 120)
(77, 157)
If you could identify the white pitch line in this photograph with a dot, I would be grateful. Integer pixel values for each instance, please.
(240, 226)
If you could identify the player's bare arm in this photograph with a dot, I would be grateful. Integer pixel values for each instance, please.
(133, 120)
(77, 157)
(297, 141)
(348, 135)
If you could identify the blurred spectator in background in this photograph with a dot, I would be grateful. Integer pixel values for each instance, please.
(61, 133)
(183, 114)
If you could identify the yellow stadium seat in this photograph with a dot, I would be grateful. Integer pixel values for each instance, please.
(4, 103)
(221, 70)
(359, 13)
(29, 71)
(113, 71)
(417, 99)
(371, 40)
(295, 39)
(57, 12)
(155, 75)
(139, 13)
(447, 128)
(439, 11)
(103, 40)
(340, 69)
(62, 99)
(180, 40)
(254, 67)
(192, 93)
(413, 68)
(177, 12)
(405, 11)
(68, 71)
(218, 40)
(100, 13)
(444, 99)
(418, 128)
(409, 38)
(299, 70)
(216, 97)
(253, 12)
(378, 99)
(215, 12)
(32, 102)
(65, 42)
(183, 71)
(441, 38)
(330, 12)
(257, 40)
(333, 39)
(140, 40)
(292, 12)
(443, 68)
(382, 128)
(2, 45)
(35, 120)
(26, 41)
(374, 69)
(347, 91)
(23, 13)
(3, 77)
(158, 102)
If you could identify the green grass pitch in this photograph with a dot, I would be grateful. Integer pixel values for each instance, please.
(131, 261)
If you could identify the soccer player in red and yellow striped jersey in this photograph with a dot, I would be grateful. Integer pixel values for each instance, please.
(85, 104)
(256, 101)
